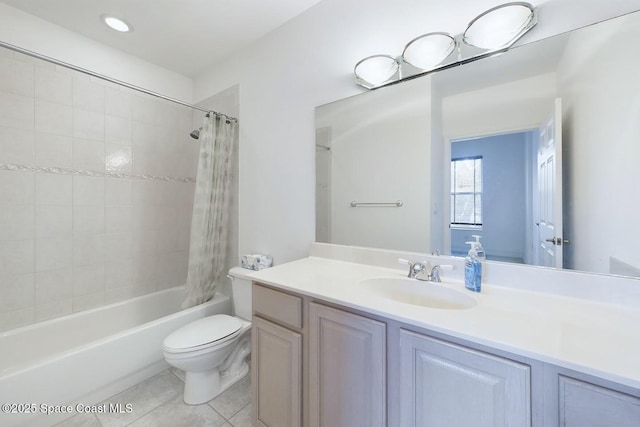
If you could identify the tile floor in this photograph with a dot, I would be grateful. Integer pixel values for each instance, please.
(157, 402)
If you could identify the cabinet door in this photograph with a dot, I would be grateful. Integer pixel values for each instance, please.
(347, 369)
(442, 384)
(276, 365)
(583, 404)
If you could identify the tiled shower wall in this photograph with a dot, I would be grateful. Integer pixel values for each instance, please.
(96, 191)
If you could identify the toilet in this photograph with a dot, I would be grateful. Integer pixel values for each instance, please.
(213, 350)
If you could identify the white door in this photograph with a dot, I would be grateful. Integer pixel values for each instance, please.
(549, 215)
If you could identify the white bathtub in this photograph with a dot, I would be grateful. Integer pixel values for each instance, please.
(91, 355)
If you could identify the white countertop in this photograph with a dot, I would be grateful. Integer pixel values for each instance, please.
(595, 338)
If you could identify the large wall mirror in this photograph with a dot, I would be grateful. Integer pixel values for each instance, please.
(536, 150)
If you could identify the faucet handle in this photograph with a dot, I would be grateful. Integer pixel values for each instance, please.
(415, 267)
(434, 275)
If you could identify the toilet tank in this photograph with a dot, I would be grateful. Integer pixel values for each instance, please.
(241, 289)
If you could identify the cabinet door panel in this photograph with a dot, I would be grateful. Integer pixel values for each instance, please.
(442, 384)
(588, 405)
(347, 376)
(277, 375)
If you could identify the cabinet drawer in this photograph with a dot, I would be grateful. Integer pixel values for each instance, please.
(279, 306)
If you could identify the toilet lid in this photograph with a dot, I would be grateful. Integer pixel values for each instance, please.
(203, 331)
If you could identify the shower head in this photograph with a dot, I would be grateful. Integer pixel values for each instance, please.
(195, 134)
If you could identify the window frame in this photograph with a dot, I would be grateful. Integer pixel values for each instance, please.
(452, 194)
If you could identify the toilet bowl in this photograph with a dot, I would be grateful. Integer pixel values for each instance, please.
(213, 350)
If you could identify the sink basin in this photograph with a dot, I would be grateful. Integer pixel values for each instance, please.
(416, 292)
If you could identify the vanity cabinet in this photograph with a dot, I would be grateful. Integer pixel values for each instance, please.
(584, 404)
(444, 384)
(276, 359)
(317, 364)
(347, 369)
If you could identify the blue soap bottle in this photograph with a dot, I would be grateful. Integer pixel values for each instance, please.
(473, 269)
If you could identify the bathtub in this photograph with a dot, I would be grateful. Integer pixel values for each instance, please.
(90, 355)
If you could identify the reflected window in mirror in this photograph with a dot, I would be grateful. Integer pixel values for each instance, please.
(466, 192)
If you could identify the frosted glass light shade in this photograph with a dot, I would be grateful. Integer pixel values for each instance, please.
(429, 50)
(499, 26)
(375, 70)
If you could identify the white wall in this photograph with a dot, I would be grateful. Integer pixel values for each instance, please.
(34, 34)
(309, 62)
(601, 131)
(381, 152)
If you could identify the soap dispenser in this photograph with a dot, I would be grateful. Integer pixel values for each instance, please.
(473, 269)
(481, 254)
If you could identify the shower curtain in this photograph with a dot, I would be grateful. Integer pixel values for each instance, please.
(207, 248)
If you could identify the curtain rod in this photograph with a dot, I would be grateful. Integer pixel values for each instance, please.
(109, 79)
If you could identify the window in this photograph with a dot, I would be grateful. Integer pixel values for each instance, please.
(466, 191)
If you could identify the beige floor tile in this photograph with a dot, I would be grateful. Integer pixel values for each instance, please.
(242, 418)
(143, 398)
(80, 420)
(176, 413)
(233, 399)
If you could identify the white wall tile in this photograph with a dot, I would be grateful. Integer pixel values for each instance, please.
(88, 124)
(53, 150)
(17, 292)
(54, 285)
(118, 192)
(88, 220)
(144, 135)
(85, 302)
(16, 188)
(16, 77)
(118, 246)
(16, 111)
(118, 219)
(88, 279)
(145, 271)
(17, 222)
(53, 221)
(53, 85)
(117, 158)
(53, 254)
(144, 109)
(112, 295)
(167, 240)
(168, 115)
(118, 130)
(88, 190)
(17, 257)
(172, 270)
(16, 318)
(144, 192)
(118, 274)
(88, 95)
(88, 250)
(16, 146)
(184, 228)
(53, 189)
(144, 242)
(51, 310)
(144, 217)
(117, 103)
(88, 154)
(53, 118)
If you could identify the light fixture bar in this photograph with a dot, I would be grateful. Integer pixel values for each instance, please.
(493, 31)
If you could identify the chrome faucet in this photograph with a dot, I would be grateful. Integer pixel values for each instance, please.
(423, 270)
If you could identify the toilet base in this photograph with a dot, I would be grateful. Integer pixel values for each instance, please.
(200, 387)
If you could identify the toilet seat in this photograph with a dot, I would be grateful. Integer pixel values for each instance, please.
(203, 333)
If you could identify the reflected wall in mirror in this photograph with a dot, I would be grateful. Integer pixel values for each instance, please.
(557, 126)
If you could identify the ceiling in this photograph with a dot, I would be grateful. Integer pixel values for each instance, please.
(186, 36)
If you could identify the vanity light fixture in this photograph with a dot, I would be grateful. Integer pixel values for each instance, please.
(429, 50)
(493, 31)
(500, 26)
(376, 70)
(116, 23)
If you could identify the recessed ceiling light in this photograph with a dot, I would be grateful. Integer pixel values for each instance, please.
(116, 23)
